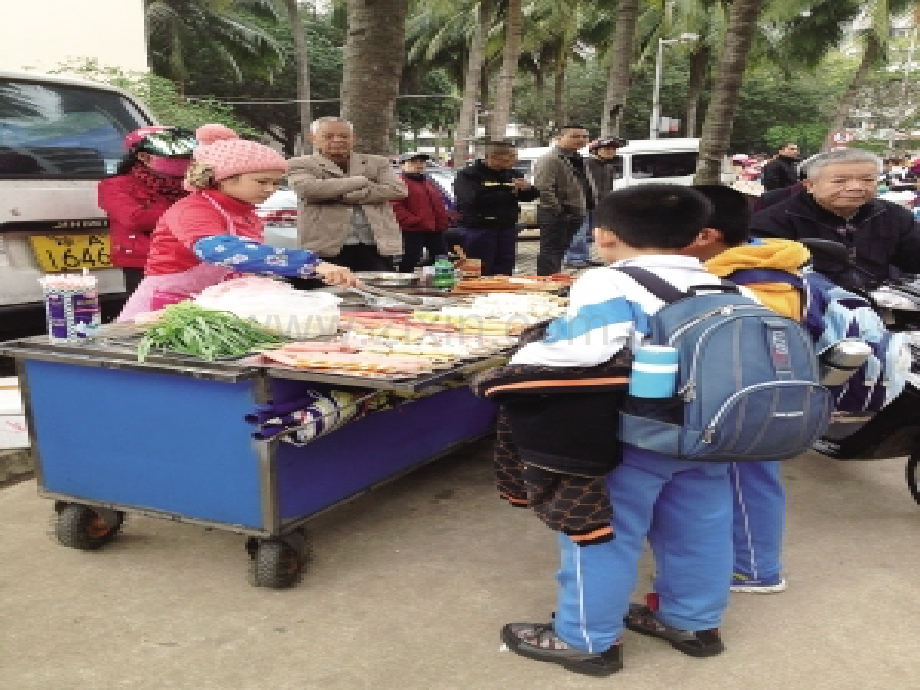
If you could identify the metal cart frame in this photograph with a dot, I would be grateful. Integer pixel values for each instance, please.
(167, 438)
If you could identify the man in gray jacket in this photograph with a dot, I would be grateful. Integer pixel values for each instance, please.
(345, 212)
(564, 197)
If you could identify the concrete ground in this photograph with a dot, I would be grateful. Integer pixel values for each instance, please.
(410, 584)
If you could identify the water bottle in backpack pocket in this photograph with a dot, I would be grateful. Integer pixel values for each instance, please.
(748, 382)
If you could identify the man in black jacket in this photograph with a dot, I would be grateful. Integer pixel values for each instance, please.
(781, 171)
(487, 195)
(839, 204)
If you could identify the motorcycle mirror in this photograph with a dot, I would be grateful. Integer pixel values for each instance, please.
(828, 250)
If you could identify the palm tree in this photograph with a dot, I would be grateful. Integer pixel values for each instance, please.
(472, 80)
(292, 7)
(622, 49)
(453, 36)
(501, 110)
(717, 129)
(374, 54)
(878, 14)
(179, 28)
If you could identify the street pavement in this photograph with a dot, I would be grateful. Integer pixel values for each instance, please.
(410, 584)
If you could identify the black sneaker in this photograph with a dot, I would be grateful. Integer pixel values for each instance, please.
(698, 643)
(539, 641)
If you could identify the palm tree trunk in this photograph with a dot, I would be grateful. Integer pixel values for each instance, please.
(501, 111)
(559, 109)
(717, 130)
(870, 57)
(539, 88)
(303, 73)
(465, 122)
(624, 36)
(699, 64)
(373, 58)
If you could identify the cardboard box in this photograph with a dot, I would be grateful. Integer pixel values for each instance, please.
(13, 430)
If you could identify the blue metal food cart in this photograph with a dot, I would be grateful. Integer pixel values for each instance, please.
(169, 438)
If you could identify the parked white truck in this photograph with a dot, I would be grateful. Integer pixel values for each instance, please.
(58, 137)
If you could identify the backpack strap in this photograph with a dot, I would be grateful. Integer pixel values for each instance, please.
(745, 276)
(664, 290)
(659, 287)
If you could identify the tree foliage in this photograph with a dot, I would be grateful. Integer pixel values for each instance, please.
(229, 30)
(160, 95)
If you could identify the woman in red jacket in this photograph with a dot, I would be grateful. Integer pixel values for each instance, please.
(214, 232)
(146, 183)
(422, 215)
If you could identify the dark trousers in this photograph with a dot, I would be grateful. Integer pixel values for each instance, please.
(495, 248)
(133, 278)
(415, 241)
(556, 233)
(357, 257)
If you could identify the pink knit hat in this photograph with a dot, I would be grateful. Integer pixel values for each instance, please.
(221, 148)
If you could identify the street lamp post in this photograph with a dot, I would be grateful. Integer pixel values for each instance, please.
(655, 119)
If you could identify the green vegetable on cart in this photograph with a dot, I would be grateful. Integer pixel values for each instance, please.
(188, 329)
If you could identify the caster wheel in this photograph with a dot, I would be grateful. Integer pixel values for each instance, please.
(912, 472)
(277, 564)
(80, 527)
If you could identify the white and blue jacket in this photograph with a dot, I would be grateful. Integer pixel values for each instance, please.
(609, 310)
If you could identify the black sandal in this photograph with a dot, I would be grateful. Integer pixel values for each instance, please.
(698, 643)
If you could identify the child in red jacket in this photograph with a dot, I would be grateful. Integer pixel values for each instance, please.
(422, 215)
(146, 183)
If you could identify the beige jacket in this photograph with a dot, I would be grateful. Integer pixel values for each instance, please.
(560, 188)
(328, 196)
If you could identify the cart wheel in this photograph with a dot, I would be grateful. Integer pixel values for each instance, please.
(912, 472)
(80, 527)
(277, 565)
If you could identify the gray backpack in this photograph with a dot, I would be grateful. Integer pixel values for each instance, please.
(748, 380)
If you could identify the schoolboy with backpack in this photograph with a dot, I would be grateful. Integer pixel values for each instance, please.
(680, 499)
(772, 270)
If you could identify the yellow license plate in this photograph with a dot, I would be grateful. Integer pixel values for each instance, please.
(55, 253)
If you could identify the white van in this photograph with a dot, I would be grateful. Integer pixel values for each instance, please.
(58, 138)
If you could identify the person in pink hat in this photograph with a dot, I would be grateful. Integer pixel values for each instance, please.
(146, 182)
(215, 232)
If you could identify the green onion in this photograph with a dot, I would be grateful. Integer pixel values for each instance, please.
(187, 329)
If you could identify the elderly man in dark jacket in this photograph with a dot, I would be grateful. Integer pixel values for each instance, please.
(839, 204)
(487, 195)
(781, 171)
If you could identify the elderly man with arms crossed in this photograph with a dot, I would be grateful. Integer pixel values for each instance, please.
(345, 211)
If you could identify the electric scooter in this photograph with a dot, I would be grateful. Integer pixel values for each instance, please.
(893, 431)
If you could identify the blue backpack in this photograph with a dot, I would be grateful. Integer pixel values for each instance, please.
(748, 380)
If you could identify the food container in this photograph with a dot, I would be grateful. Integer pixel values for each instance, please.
(71, 307)
(387, 279)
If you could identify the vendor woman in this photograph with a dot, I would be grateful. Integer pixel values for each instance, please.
(215, 232)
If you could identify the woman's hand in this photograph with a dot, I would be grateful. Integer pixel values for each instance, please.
(335, 275)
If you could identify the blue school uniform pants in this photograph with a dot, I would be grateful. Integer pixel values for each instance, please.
(759, 503)
(684, 508)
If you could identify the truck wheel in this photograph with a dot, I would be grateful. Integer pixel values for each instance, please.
(912, 472)
(80, 527)
(277, 565)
